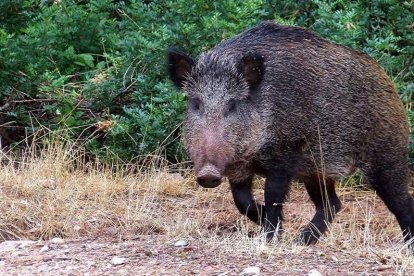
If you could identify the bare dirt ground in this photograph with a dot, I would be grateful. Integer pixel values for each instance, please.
(149, 255)
(364, 240)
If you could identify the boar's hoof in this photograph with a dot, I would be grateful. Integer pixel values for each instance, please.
(306, 237)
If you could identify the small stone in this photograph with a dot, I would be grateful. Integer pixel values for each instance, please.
(314, 272)
(15, 254)
(122, 271)
(264, 248)
(335, 259)
(251, 270)
(44, 248)
(24, 244)
(90, 263)
(181, 243)
(58, 241)
(12, 245)
(118, 260)
(7, 245)
(381, 267)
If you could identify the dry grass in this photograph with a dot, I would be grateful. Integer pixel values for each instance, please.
(54, 193)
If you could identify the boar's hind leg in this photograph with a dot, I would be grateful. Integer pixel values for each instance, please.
(391, 184)
(327, 204)
(243, 198)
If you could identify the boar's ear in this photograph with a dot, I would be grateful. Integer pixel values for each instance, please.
(251, 67)
(179, 67)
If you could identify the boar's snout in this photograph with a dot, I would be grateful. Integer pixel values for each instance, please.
(209, 176)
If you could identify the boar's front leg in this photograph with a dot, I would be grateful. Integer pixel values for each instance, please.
(243, 198)
(276, 191)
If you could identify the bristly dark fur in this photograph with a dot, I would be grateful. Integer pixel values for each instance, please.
(282, 102)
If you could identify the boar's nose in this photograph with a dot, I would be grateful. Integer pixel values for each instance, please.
(209, 180)
(209, 176)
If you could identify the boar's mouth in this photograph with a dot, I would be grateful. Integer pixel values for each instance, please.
(209, 176)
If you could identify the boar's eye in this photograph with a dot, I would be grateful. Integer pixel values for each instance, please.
(194, 104)
(231, 107)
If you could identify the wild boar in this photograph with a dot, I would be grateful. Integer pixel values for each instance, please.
(282, 102)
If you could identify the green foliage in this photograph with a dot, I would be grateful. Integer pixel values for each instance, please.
(97, 67)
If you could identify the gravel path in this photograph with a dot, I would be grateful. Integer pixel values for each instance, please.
(151, 255)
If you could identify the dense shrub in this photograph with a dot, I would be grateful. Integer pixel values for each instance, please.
(95, 69)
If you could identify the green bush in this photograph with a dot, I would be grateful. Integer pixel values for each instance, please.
(96, 69)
